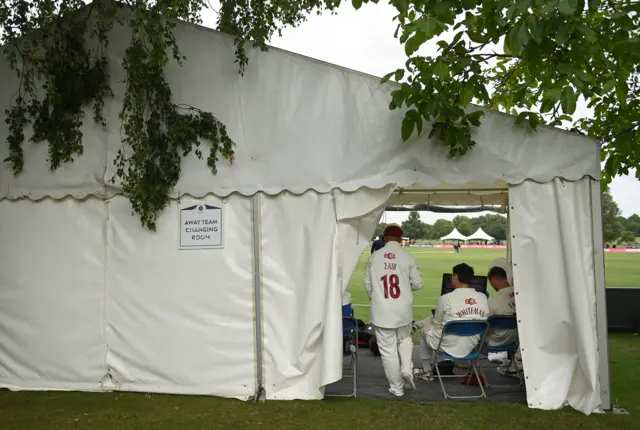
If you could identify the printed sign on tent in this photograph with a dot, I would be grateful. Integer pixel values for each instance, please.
(200, 226)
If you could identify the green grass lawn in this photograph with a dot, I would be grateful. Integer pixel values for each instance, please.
(59, 410)
(123, 411)
(622, 270)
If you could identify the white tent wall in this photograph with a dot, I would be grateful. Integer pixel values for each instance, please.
(180, 321)
(52, 272)
(554, 269)
(308, 253)
(85, 292)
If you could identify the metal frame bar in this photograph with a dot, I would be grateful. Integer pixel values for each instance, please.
(597, 237)
(257, 296)
(444, 209)
(449, 190)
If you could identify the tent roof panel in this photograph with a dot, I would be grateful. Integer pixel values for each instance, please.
(454, 235)
(480, 235)
(299, 124)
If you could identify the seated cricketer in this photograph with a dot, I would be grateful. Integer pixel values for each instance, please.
(463, 303)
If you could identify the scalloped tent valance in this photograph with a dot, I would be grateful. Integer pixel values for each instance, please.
(299, 124)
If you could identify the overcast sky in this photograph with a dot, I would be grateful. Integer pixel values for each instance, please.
(363, 40)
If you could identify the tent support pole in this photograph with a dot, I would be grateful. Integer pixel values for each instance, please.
(601, 296)
(508, 212)
(257, 296)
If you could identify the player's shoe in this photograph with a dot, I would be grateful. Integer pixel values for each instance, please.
(396, 393)
(408, 381)
(421, 374)
(497, 357)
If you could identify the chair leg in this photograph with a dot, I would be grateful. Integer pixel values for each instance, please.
(355, 376)
(475, 370)
(444, 391)
(354, 353)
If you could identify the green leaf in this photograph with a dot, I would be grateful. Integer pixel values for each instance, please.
(357, 4)
(622, 92)
(584, 76)
(441, 71)
(469, 4)
(429, 26)
(521, 117)
(547, 105)
(564, 33)
(466, 96)
(414, 43)
(417, 119)
(569, 100)
(533, 121)
(609, 85)
(387, 77)
(536, 29)
(457, 37)
(399, 75)
(523, 37)
(474, 117)
(517, 39)
(594, 5)
(476, 37)
(398, 98)
(511, 41)
(553, 94)
(407, 127)
(591, 35)
(568, 7)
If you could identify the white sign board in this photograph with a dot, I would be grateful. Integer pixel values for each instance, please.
(200, 226)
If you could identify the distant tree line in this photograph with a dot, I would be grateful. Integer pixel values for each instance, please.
(616, 227)
(493, 225)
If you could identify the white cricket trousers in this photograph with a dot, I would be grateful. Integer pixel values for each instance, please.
(427, 345)
(396, 349)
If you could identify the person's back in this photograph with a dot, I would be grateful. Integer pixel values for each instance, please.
(390, 278)
(502, 302)
(462, 304)
(394, 276)
(377, 244)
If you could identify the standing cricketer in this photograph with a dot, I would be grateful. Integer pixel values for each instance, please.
(391, 277)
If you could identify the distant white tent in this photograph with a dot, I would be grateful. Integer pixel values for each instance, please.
(480, 235)
(454, 235)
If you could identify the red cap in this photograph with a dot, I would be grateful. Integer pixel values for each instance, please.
(393, 231)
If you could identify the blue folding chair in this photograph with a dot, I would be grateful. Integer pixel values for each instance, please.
(503, 322)
(464, 328)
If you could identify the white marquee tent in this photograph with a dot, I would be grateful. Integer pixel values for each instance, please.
(480, 235)
(91, 301)
(454, 235)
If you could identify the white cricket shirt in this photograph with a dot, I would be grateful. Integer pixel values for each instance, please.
(391, 277)
(503, 303)
(460, 304)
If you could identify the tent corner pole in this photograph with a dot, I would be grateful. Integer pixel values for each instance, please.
(601, 294)
(257, 296)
